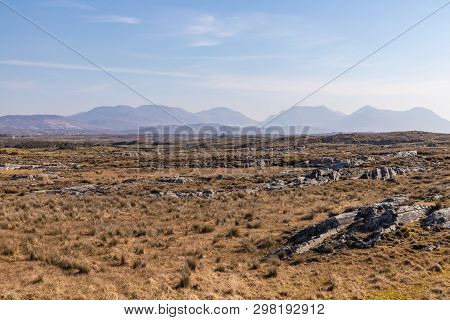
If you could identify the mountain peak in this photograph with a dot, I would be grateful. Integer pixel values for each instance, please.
(225, 116)
(317, 117)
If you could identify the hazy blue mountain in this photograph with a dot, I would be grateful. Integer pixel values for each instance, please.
(318, 117)
(114, 118)
(128, 118)
(163, 115)
(370, 119)
(39, 124)
(225, 116)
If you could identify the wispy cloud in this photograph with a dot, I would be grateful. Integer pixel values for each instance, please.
(206, 30)
(70, 5)
(138, 71)
(204, 43)
(208, 25)
(115, 19)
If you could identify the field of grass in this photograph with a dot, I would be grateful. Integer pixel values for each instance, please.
(94, 220)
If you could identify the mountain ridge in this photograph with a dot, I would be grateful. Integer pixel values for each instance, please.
(320, 119)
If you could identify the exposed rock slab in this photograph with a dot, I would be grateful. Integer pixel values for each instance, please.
(361, 228)
(173, 180)
(384, 173)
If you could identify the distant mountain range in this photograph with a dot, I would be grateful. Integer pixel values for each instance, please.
(127, 118)
(319, 119)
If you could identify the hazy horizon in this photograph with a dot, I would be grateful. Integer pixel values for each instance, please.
(261, 120)
(255, 57)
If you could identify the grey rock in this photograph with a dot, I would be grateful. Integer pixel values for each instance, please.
(173, 180)
(208, 193)
(438, 218)
(384, 173)
(275, 184)
(406, 154)
(323, 175)
(361, 228)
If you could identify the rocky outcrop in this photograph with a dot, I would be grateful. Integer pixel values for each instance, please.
(323, 175)
(311, 178)
(31, 177)
(10, 166)
(384, 173)
(361, 228)
(208, 193)
(173, 180)
(337, 164)
(406, 154)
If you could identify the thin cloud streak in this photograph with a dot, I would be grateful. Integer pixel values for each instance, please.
(205, 43)
(115, 19)
(49, 65)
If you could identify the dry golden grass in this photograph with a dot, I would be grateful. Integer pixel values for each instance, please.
(119, 242)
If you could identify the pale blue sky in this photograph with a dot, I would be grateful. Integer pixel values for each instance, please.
(255, 56)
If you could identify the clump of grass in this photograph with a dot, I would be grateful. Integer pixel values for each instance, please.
(38, 279)
(202, 228)
(436, 268)
(254, 265)
(265, 243)
(191, 263)
(77, 267)
(219, 269)
(332, 214)
(185, 279)
(138, 263)
(245, 246)
(119, 260)
(7, 248)
(139, 233)
(437, 205)
(331, 284)
(308, 216)
(185, 274)
(272, 272)
(233, 233)
(253, 225)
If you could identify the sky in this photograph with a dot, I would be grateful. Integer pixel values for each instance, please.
(255, 56)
